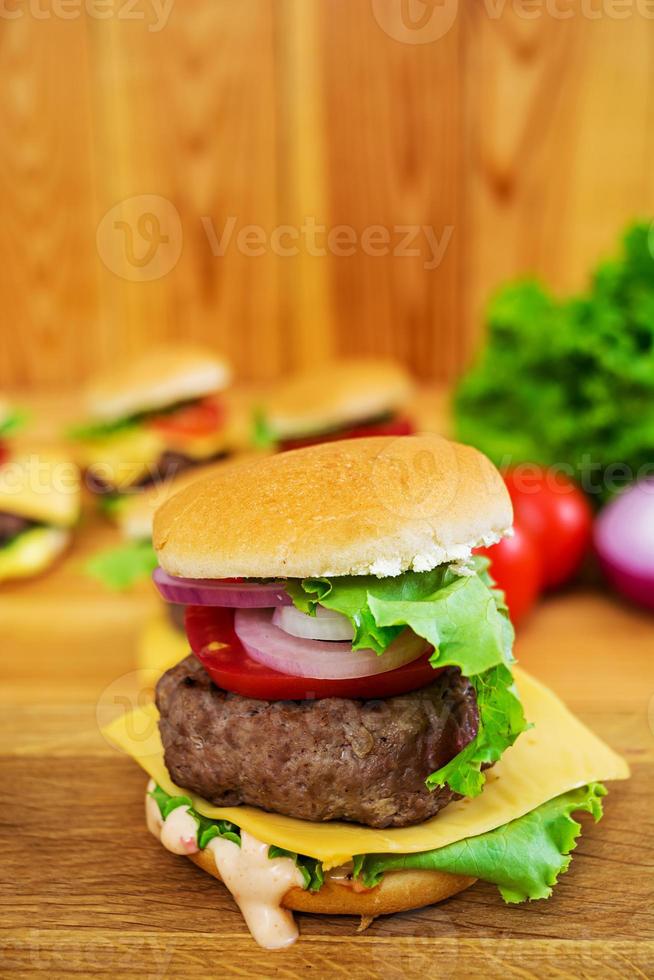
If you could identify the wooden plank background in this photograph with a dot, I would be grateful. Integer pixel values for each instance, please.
(521, 137)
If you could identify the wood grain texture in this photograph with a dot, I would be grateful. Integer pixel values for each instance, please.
(394, 114)
(524, 143)
(558, 143)
(48, 274)
(85, 890)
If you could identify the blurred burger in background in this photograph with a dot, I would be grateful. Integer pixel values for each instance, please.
(343, 399)
(159, 414)
(39, 506)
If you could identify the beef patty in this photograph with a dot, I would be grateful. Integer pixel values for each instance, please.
(329, 759)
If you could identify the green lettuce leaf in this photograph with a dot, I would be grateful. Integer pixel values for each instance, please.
(119, 568)
(262, 434)
(524, 858)
(13, 422)
(464, 618)
(570, 382)
(501, 720)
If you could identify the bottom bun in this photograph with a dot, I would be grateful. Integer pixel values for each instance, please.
(399, 891)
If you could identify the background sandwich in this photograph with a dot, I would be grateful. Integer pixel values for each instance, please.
(39, 506)
(340, 400)
(349, 735)
(163, 412)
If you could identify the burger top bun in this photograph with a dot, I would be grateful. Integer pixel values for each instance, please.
(336, 395)
(159, 377)
(376, 506)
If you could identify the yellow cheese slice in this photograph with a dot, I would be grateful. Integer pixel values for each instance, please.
(558, 754)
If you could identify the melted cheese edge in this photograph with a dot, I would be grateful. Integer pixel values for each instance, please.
(557, 755)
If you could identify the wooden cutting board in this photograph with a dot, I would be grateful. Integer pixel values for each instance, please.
(85, 890)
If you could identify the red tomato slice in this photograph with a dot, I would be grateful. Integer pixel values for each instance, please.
(557, 515)
(210, 631)
(397, 426)
(199, 419)
(4, 452)
(516, 567)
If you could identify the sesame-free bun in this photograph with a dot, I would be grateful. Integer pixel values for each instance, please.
(376, 506)
(41, 485)
(338, 394)
(159, 377)
(398, 892)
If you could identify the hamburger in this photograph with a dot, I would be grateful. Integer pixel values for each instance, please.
(343, 399)
(350, 734)
(159, 414)
(39, 506)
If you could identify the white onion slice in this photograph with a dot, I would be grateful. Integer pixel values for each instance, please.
(300, 657)
(325, 625)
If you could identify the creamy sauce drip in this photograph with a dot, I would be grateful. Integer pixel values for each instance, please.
(257, 883)
(178, 832)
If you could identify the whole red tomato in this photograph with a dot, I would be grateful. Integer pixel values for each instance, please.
(556, 513)
(516, 567)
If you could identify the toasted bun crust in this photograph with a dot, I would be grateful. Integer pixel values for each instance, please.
(137, 512)
(41, 486)
(398, 892)
(362, 506)
(335, 395)
(161, 376)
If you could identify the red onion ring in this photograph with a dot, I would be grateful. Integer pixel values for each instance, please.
(216, 592)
